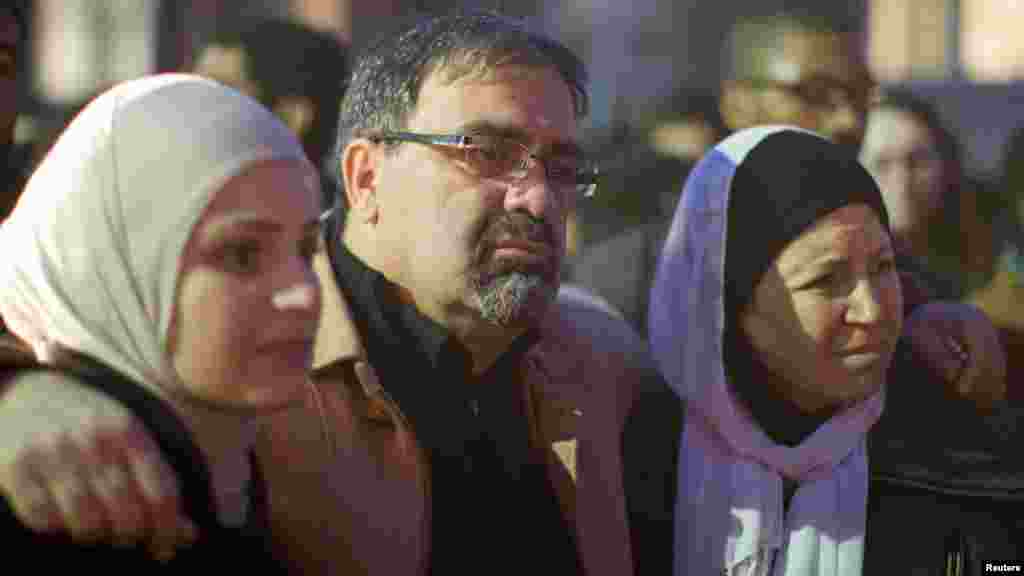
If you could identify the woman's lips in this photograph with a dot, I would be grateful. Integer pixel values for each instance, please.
(862, 360)
(292, 352)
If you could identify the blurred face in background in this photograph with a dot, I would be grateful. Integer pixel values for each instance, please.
(900, 152)
(686, 138)
(814, 80)
(232, 65)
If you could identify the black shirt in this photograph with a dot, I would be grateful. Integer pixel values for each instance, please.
(493, 509)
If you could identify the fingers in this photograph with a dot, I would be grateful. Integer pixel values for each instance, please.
(935, 347)
(157, 491)
(961, 369)
(120, 496)
(114, 488)
(29, 498)
(983, 379)
(68, 469)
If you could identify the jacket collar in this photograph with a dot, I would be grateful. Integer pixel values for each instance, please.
(336, 337)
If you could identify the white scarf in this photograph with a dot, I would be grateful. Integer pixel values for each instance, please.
(729, 514)
(93, 247)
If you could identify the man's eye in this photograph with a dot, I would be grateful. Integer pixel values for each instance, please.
(490, 152)
(494, 159)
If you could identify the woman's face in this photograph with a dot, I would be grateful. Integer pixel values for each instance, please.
(900, 152)
(826, 315)
(248, 301)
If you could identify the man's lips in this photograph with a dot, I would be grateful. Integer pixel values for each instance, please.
(523, 249)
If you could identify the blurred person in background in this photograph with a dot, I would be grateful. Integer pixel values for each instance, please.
(934, 207)
(805, 69)
(645, 174)
(296, 71)
(13, 38)
(799, 68)
(1003, 297)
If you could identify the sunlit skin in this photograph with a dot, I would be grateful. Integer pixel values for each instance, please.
(420, 216)
(248, 301)
(900, 151)
(826, 316)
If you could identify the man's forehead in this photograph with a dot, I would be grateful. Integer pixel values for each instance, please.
(515, 96)
(803, 54)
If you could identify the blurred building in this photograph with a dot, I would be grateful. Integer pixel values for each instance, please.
(966, 52)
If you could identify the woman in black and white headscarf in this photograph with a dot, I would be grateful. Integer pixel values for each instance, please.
(775, 317)
(775, 312)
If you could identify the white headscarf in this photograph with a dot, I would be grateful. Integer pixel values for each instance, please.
(92, 249)
(729, 511)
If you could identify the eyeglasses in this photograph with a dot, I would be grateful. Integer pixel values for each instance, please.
(500, 157)
(823, 93)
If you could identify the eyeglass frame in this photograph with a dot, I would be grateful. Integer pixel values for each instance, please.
(591, 177)
(860, 97)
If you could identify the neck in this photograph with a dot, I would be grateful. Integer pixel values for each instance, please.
(484, 341)
(225, 438)
(766, 397)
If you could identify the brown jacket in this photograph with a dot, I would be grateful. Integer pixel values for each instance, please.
(349, 484)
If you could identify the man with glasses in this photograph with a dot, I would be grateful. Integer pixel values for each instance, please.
(432, 441)
(796, 68)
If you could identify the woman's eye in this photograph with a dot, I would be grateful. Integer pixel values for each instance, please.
(885, 266)
(824, 281)
(309, 248)
(241, 257)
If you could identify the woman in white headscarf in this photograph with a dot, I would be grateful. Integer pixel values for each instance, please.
(775, 316)
(161, 253)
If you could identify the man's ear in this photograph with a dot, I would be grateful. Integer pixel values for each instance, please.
(738, 105)
(359, 171)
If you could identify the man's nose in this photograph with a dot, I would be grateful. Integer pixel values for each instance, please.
(535, 195)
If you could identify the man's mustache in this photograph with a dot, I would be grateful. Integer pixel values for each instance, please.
(513, 227)
(518, 226)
